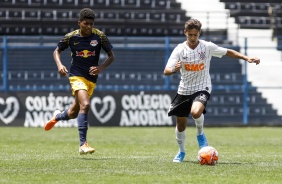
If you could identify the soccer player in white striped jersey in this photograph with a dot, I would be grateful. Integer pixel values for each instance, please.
(192, 58)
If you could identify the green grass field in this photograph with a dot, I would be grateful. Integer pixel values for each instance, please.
(138, 155)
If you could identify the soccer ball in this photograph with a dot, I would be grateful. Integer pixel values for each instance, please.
(208, 155)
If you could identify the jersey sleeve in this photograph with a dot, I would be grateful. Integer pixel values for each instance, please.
(174, 58)
(64, 42)
(106, 45)
(216, 50)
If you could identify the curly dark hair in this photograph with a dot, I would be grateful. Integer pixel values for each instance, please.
(86, 13)
(193, 24)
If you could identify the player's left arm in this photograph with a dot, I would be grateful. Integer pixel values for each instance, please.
(234, 54)
(108, 61)
(95, 70)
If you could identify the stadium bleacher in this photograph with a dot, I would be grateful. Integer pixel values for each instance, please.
(115, 17)
(263, 14)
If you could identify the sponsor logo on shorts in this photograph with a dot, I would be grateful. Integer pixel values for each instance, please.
(203, 97)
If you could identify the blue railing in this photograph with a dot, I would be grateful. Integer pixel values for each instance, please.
(246, 88)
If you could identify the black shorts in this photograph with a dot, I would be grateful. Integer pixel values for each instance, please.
(181, 104)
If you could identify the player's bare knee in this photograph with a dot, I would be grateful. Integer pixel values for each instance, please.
(85, 107)
(196, 114)
(181, 128)
(181, 124)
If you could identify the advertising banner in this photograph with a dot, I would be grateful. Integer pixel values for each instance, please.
(107, 108)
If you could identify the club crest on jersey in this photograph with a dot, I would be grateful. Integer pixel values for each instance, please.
(202, 55)
(93, 43)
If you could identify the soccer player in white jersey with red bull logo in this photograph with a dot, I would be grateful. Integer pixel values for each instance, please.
(85, 44)
(192, 58)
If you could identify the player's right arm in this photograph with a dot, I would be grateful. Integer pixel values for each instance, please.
(62, 45)
(57, 57)
(173, 64)
(169, 70)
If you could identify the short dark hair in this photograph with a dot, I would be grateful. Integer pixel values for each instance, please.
(86, 13)
(193, 24)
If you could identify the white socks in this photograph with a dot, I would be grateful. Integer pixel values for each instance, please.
(199, 122)
(180, 138)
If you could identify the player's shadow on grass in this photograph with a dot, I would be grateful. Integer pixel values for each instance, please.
(230, 163)
(219, 163)
(91, 158)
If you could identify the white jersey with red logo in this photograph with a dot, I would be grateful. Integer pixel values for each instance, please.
(195, 65)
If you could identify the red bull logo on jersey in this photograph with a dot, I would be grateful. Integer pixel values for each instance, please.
(85, 53)
(194, 67)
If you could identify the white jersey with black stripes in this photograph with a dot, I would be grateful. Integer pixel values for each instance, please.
(195, 65)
